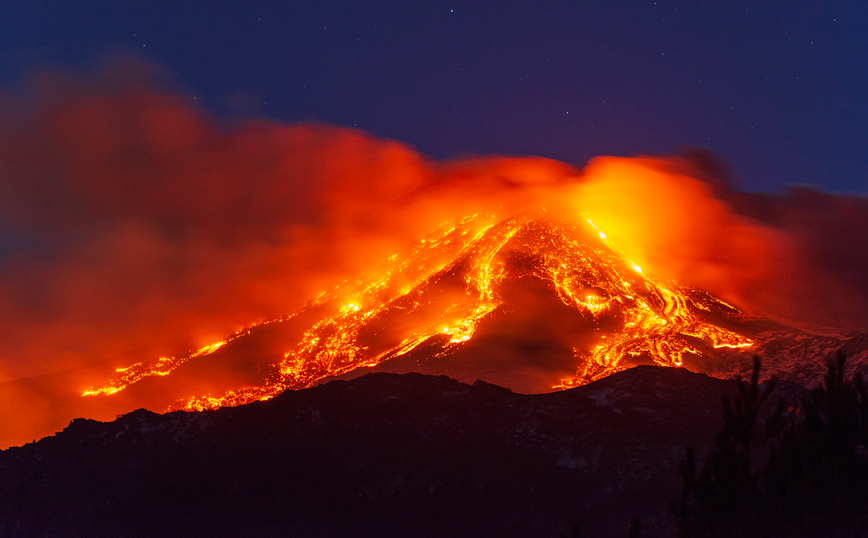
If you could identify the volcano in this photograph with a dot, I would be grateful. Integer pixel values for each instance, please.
(537, 303)
(534, 302)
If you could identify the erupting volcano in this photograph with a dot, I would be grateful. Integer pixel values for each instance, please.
(438, 267)
(533, 302)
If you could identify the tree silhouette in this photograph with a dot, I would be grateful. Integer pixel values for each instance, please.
(799, 472)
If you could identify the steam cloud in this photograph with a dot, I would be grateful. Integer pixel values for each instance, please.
(133, 225)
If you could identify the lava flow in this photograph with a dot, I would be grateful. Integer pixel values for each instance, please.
(481, 277)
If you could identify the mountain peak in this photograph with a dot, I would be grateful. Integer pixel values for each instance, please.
(534, 302)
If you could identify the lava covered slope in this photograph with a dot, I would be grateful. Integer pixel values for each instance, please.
(534, 302)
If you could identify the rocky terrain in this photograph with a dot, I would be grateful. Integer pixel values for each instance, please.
(380, 455)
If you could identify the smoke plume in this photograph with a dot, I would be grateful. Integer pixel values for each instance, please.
(134, 225)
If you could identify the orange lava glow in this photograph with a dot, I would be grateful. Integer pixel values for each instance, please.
(162, 367)
(644, 316)
(142, 232)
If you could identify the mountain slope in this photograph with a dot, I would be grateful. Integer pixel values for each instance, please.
(381, 455)
(533, 302)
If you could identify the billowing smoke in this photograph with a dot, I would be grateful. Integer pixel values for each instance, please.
(133, 225)
(794, 256)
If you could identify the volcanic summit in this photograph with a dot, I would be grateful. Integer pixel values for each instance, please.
(533, 302)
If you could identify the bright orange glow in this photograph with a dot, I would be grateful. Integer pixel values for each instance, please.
(161, 367)
(382, 317)
(156, 230)
(670, 223)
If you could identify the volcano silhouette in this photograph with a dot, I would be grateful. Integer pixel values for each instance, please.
(533, 303)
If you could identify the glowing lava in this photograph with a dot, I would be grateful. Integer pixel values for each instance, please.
(438, 296)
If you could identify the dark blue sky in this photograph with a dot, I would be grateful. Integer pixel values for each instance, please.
(777, 89)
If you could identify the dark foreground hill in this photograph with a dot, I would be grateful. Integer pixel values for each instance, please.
(381, 455)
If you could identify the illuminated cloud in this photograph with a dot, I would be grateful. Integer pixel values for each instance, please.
(134, 226)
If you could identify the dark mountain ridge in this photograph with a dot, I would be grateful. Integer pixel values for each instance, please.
(380, 455)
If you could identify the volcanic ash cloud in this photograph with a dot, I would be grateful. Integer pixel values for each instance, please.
(134, 226)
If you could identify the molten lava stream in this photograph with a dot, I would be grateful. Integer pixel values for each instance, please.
(456, 281)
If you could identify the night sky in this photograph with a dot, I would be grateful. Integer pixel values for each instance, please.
(776, 89)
